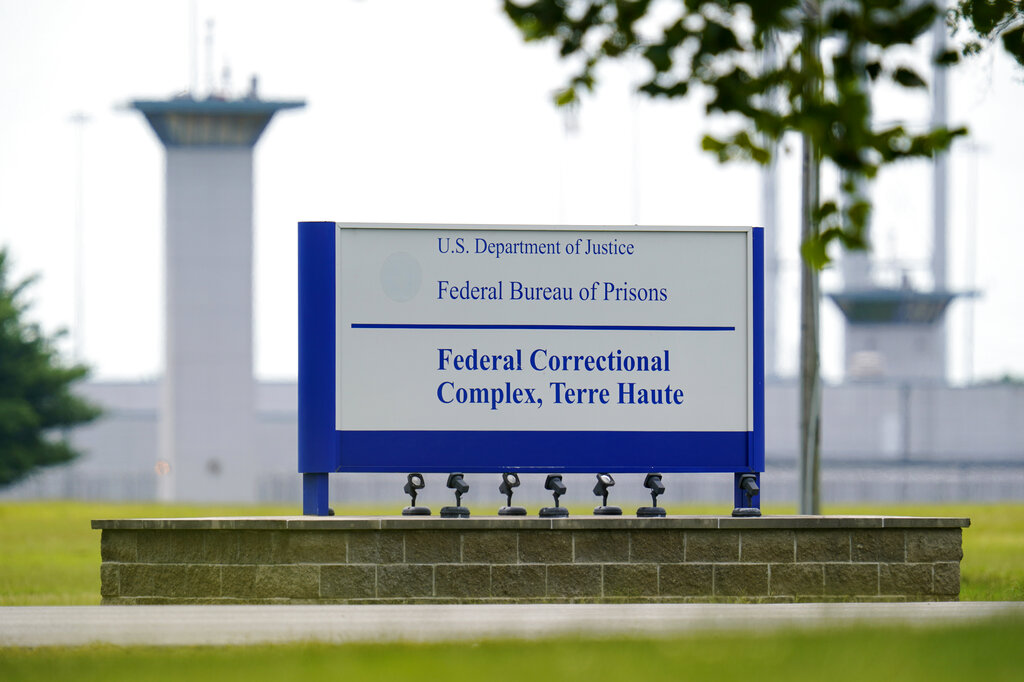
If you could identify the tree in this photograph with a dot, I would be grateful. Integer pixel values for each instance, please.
(714, 46)
(988, 21)
(36, 403)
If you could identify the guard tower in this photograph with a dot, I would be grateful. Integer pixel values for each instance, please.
(900, 333)
(895, 333)
(207, 394)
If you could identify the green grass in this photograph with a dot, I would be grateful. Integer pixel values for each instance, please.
(982, 651)
(49, 554)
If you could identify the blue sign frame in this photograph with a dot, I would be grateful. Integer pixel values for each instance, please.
(322, 449)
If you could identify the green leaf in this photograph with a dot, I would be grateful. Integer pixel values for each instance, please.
(825, 210)
(718, 38)
(858, 214)
(908, 78)
(720, 149)
(972, 48)
(564, 98)
(660, 57)
(656, 90)
(813, 252)
(1013, 42)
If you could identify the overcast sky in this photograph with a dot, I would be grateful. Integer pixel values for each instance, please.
(429, 112)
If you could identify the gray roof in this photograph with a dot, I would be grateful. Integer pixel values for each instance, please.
(212, 122)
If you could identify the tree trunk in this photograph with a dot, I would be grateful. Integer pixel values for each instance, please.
(810, 364)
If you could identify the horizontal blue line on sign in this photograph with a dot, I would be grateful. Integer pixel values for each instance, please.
(544, 451)
(557, 327)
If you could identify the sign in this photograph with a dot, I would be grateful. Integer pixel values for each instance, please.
(547, 349)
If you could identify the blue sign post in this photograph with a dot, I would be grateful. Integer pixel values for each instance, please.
(530, 349)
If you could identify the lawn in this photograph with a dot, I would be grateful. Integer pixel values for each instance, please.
(981, 651)
(49, 554)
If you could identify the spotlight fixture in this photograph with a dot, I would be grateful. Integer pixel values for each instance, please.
(654, 484)
(748, 490)
(510, 480)
(414, 484)
(459, 485)
(554, 483)
(605, 481)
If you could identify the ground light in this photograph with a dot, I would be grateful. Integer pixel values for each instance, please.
(554, 483)
(413, 484)
(605, 481)
(654, 484)
(457, 483)
(509, 480)
(749, 489)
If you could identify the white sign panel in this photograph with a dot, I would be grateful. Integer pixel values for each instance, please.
(463, 328)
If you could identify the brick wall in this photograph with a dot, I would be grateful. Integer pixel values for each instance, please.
(584, 559)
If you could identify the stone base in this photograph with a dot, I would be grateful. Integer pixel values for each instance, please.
(515, 559)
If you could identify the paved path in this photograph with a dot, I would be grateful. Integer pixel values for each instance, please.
(220, 625)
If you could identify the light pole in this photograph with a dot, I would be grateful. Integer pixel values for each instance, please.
(79, 119)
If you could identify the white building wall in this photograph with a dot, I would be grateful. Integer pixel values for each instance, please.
(206, 420)
(862, 421)
(973, 424)
(906, 351)
(781, 402)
